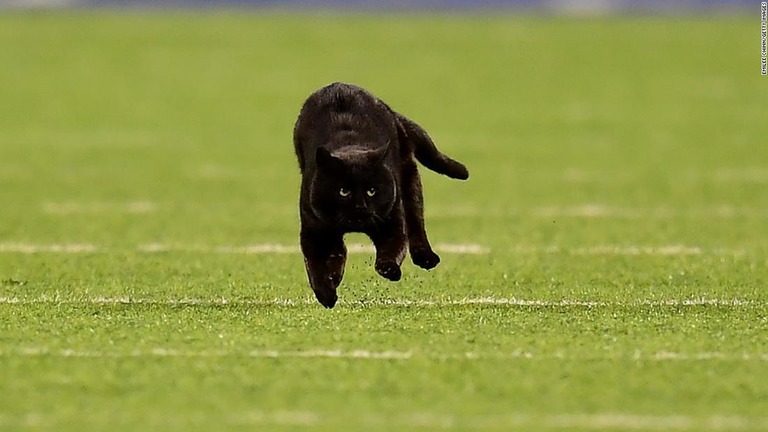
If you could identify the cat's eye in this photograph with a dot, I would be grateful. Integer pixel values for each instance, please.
(344, 192)
(371, 192)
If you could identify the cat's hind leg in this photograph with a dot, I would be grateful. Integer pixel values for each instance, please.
(413, 202)
(324, 258)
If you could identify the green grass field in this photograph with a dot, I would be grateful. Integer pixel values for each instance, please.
(604, 268)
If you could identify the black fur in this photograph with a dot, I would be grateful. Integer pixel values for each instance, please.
(358, 163)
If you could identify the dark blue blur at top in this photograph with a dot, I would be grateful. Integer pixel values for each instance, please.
(550, 6)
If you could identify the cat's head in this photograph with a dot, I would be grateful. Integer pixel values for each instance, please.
(353, 187)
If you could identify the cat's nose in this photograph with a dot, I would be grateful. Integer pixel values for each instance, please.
(362, 213)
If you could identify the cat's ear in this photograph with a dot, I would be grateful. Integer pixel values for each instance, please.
(327, 161)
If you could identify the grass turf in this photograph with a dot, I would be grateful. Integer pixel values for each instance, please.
(616, 173)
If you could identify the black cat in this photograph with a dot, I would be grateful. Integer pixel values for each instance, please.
(359, 174)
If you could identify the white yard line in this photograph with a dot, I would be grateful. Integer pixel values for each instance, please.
(465, 249)
(276, 418)
(33, 248)
(638, 250)
(607, 211)
(749, 175)
(435, 420)
(67, 208)
(355, 248)
(662, 250)
(353, 354)
(498, 301)
(598, 211)
(166, 352)
(512, 301)
(365, 354)
(263, 248)
(275, 248)
(217, 172)
(595, 421)
(585, 210)
(602, 421)
(629, 250)
(588, 211)
(254, 249)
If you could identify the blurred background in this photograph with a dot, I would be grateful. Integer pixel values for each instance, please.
(131, 122)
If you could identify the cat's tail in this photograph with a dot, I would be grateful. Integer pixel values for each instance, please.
(426, 152)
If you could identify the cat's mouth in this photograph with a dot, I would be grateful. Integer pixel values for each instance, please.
(359, 222)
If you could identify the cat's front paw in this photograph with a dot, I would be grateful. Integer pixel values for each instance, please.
(327, 298)
(336, 269)
(425, 258)
(335, 279)
(389, 270)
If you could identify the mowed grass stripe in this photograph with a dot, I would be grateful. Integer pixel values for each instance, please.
(441, 421)
(595, 421)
